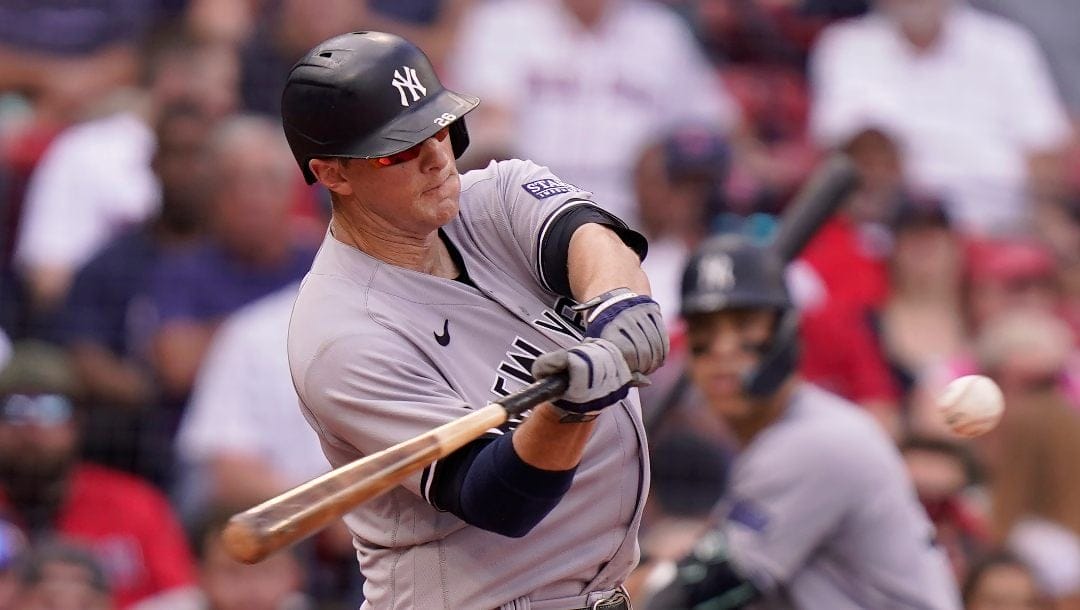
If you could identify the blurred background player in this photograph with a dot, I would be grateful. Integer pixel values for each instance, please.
(819, 511)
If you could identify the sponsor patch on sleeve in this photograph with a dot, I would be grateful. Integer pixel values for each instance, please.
(546, 187)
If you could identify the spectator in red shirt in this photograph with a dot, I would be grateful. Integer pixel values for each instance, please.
(848, 258)
(45, 490)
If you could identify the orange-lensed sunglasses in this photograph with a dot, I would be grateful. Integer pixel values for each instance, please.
(408, 154)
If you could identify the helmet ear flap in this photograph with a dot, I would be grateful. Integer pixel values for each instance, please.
(779, 360)
(459, 137)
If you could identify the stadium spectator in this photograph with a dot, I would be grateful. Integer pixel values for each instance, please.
(1033, 453)
(273, 584)
(1054, 24)
(47, 491)
(574, 81)
(13, 545)
(1009, 297)
(108, 317)
(59, 576)
(760, 49)
(68, 61)
(274, 33)
(678, 185)
(847, 257)
(243, 433)
(1006, 274)
(1053, 554)
(251, 250)
(5, 349)
(95, 179)
(1001, 581)
(966, 94)
(281, 33)
(946, 474)
(922, 320)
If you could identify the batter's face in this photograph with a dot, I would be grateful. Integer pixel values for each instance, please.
(415, 197)
(724, 348)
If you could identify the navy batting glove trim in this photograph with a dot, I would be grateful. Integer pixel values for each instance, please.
(588, 362)
(595, 404)
(596, 326)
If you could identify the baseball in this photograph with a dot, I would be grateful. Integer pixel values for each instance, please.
(971, 405)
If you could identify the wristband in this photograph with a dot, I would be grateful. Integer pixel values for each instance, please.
(602, 301)
(573, 417)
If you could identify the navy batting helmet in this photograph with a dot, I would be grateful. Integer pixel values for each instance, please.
(727, 272)
(365, 95)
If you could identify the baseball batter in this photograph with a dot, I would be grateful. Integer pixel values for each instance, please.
(435, 293)
(819, 512)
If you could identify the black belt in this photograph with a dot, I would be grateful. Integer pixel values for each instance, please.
(618, 601)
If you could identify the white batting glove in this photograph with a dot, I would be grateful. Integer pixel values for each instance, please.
(598, 377)
(633, 323)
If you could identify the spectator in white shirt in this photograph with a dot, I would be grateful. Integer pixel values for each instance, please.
(586, 84)
(243, 434)
(966, 94)
(95, 179)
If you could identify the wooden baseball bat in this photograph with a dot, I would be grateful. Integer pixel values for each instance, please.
(287, 518)
(827, 188)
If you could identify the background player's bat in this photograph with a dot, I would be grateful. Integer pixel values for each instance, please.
(254, 534)
(827, 188)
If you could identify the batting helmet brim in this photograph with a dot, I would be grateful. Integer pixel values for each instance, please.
(407, 130)
(736, 299)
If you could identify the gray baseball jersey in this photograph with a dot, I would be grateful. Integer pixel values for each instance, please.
(821, 514)
(380, 354)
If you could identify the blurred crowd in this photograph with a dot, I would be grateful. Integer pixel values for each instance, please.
(154, 226)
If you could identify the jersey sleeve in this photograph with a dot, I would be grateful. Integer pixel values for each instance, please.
(535, 211)
(779, 513)
(365, 393)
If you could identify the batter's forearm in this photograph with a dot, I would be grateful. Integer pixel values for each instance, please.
(599, 261)
(488, 484)
(543, 442)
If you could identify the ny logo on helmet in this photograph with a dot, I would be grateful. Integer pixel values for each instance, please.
(716, 273)
(409, 81)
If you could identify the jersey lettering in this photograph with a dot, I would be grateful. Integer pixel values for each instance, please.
(564, 307)
(553, 322)
(517, 365)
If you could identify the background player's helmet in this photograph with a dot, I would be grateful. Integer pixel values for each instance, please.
(728, 271)
(364, 95)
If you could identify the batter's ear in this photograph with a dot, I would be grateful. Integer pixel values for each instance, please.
(330, 173)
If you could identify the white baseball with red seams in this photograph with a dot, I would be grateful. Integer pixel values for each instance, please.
(971, 405)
